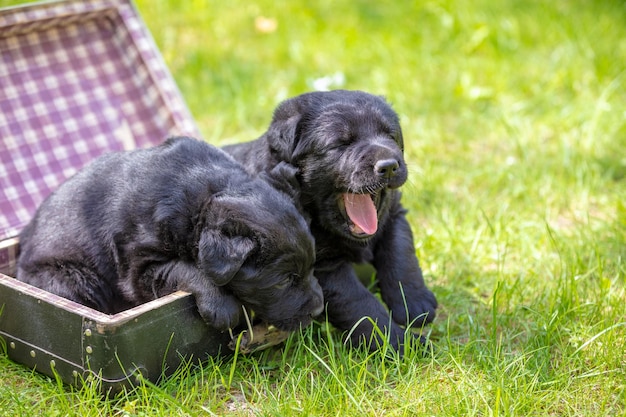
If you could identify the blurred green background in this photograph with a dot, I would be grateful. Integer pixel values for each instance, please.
(462, 63)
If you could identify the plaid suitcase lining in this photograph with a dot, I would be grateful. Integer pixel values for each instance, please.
(78, 79)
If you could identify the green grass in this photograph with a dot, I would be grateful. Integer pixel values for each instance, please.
(514, 116)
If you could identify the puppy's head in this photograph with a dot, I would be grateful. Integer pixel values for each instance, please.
(258, 246)
(348, 146)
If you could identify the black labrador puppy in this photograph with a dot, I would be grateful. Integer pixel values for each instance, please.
(348, 148)
(134, 226)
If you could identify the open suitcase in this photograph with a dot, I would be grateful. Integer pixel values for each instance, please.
(79, 78)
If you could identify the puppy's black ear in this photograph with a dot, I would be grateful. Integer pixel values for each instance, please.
(284, 178)
(221, 256)
(282, 135)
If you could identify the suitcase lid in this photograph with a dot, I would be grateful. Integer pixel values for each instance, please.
(77, 78)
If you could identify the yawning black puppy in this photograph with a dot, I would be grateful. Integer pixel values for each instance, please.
(348, 147)
(134, 226)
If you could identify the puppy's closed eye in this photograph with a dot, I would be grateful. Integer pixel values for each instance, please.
(287, 281)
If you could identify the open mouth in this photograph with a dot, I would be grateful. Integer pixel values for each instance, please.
(361, 213)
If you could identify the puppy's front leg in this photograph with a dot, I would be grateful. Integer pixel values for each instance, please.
(348, 302)
(217, 307)
(399, 275)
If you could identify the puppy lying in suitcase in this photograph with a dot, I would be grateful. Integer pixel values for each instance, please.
(134, 226)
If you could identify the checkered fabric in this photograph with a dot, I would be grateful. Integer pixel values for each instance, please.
(77, 78)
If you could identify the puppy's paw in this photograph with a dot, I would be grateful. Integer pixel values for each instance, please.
(414, 309)
(221, 313)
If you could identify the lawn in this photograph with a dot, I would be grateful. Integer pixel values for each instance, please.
(514, 118)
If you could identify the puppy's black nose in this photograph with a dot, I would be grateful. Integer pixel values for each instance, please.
(387, 168)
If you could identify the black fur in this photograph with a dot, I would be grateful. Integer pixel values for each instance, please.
(134, 226)
(350, 141)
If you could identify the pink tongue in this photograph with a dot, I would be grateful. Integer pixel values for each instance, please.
(361, 210)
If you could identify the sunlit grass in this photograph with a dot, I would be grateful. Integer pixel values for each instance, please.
(514, 117)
